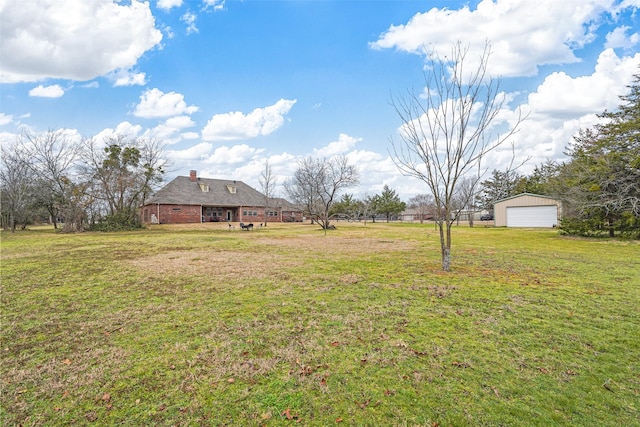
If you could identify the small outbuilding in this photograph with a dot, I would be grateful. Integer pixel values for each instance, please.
(528, 210)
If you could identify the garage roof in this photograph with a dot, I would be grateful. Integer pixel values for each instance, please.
(527, 194)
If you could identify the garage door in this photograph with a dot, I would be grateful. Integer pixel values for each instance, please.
(532, 216)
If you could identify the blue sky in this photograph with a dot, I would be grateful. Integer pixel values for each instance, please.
(228, 85)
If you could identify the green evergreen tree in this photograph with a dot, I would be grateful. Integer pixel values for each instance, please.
(388, 203)
(602, 180)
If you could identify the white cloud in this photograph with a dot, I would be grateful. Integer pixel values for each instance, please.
(180, 122)
(196, 152)
(236, 125)
(167, 135)
(217, 5)
(523, 33)
(70, 39)
(341, 146)
(155, 103)
(619, 38)
(122, 77)
(53, 91)
(561, 95)
(5, 119)
(168, 31)
(125, 129)
(234, 155)
(562, 105)
(168, 4)
(169, 131)
(190, 135)
(190, 20)
(220, 162)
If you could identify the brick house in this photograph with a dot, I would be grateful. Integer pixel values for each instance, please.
(190, 199)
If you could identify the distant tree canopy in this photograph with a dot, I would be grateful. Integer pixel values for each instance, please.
(602, 179)
(423, 205)
(348, 206)
(80, 183)
(123, 173)
(388, 203)
(500, 185)
(317, 184)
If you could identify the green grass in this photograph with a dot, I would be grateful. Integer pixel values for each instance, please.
(203, 326)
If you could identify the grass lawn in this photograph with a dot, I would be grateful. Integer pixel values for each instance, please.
(199, 325)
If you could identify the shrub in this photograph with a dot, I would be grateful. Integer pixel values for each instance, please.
(117, 222)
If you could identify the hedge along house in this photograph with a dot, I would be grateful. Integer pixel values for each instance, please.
(192, 200)
(528, 210)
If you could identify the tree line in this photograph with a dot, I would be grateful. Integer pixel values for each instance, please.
(77, 184)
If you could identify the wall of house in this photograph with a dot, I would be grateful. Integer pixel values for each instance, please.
(257, 214)
(185, 214)
(171, 214)
(291, 216)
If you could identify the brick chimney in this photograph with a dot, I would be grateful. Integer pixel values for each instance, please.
(192, 176)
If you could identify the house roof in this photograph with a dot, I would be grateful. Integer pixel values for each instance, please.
(527, 194)
(284, 204)
(221, 192)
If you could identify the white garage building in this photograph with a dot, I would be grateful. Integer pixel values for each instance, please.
(528, 210)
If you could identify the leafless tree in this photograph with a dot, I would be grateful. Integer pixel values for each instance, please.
(268, 182)
(446, 131)
(53, 158)
(423, 205)
(16, 187)
(465, 198)
(316, 185)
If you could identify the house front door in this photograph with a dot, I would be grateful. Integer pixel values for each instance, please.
(229, 216)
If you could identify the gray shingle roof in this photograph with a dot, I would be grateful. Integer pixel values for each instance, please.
(183, 191)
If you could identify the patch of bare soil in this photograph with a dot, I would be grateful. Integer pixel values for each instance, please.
(215, 264)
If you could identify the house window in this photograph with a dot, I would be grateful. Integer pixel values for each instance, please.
(204, 188)
(232, 189)
(176, 209)
(213, 212)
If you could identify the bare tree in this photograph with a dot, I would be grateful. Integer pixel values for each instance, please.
(16, 187)
(268, 182)
(316, 185)
(53, 159)
(465, 198)
(447, 130)
(423, 205)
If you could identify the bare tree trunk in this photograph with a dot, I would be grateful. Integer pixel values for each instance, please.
(446, 259)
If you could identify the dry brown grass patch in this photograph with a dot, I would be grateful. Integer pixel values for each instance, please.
(214, 264)
(341, 245)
